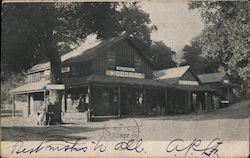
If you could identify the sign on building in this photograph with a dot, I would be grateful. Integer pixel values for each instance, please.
(124, 74)
(187, 82)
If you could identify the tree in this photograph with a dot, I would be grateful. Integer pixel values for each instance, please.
(136, 23)
(199, 63)
(161, 55)
(224, 38)
(53, 26)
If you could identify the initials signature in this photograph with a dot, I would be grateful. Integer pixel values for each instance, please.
(178, 145)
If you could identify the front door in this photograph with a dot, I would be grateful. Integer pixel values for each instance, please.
(132, 101)
(105, 101)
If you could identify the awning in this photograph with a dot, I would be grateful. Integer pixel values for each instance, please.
(232, 85)
(196, 88)
(30, 87)
(101, 79)
(113, 80)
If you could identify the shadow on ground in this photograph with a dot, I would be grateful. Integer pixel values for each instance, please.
(235, 111)
(56, 133)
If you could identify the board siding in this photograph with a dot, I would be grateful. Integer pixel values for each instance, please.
(188, 75)
(123, 54)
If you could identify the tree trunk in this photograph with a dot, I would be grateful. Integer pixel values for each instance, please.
(55, 96)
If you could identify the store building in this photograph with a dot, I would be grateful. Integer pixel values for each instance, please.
(190, 92)
(114, 78)
(223, 85)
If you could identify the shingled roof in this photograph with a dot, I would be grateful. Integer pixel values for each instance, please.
(72, 54)
(171, 73)
(92, 52)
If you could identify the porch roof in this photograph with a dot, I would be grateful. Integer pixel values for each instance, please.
(196, 88)
(76, 81)
(30, 87)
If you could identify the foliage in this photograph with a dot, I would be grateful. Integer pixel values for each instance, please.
(8, 82)
(36, 31)
(161, 55)
(224, 38)
(53, 27)
(199, 63)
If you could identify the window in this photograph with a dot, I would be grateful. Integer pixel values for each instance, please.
(139, 97)
(65, 69)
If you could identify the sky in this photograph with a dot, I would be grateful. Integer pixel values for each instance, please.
(176, 24)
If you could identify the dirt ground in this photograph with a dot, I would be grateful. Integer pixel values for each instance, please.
(231, 123)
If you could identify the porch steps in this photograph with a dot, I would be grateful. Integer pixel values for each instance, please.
(74, 117)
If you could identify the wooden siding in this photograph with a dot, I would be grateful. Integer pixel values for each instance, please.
(225, 78)
(79, 69)
(188, 75)
(123, 54)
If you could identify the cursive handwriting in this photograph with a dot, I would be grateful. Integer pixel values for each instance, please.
(19, 147)
(130, 145)
(178, 145)
(65, 146)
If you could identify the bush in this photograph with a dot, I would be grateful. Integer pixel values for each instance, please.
(9, 82)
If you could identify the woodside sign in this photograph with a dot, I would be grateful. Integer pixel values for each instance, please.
(55, 86)
(124, 74)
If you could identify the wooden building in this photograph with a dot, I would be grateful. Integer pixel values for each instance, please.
(223, 85)
(190, 91)
(114, 78)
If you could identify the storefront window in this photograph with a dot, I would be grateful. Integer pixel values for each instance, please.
(115, 96)
(87, 98)
(139, 97)
(194, 95)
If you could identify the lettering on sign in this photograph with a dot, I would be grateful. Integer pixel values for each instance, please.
(124, 74)
(226, 81)
(121, 68)
(186, 82)
(55, 86)
(65, 69)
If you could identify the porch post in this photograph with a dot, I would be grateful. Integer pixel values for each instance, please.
(13, 105)
(44, 99)
(65, 101)
(119, 101)
(89, 107)
(144, 101)
(28, 102)
(166, 101)
(228, 94)
(188, 102)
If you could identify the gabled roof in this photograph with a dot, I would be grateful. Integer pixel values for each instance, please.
(92, 52)
(74, 53)
(85, 53)
(171, 73)
(211, 77)
(102, 47)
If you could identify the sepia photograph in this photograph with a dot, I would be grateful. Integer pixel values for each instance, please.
(147, 78)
